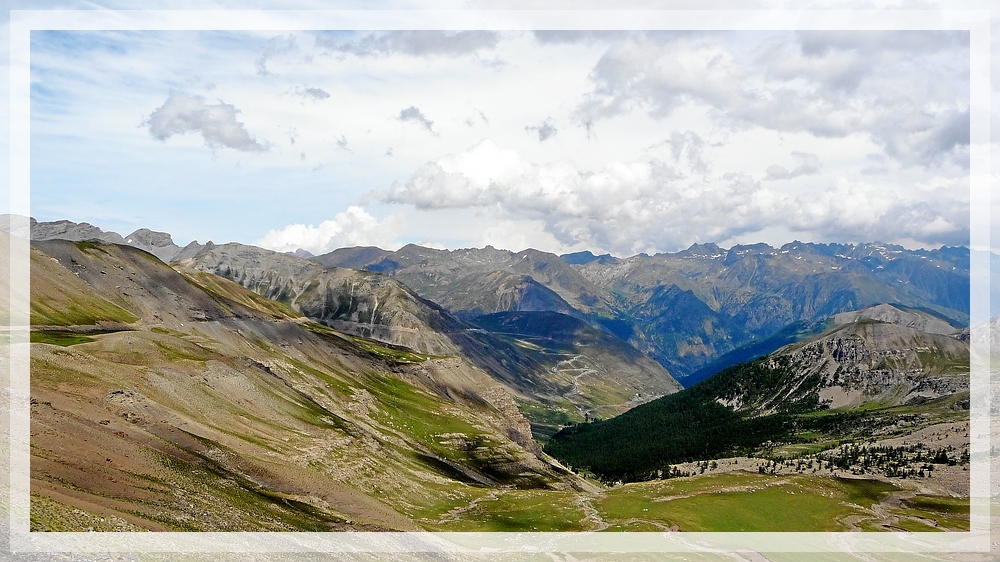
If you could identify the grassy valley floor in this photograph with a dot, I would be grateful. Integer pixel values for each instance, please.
(727, 501)
(732, 501)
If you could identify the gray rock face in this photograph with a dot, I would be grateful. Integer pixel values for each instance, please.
(360, 303)
(160, 244)
(157, 243)
(191, 250)
(887, 313)
(68, 230)
(889, 363)
(498, 291)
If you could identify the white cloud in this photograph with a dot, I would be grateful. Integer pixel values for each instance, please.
(689, 144)
(808, 165)
(684, 128)
(353, 227)
(913, 104)
(217, 123)
(517, 235)
(414, 115)
(459, 180)
(658, 76)
(649, 205)
(546, 129)
(317, 94)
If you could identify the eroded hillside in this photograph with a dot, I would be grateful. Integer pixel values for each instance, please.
(176, 400)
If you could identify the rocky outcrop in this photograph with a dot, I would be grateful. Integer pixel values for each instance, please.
(881, 362)
(918, 320)
(68, 230)
(160, 244)
(359, 303)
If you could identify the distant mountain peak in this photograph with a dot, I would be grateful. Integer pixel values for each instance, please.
(152, 237)
(710, 249)
(68, 230)
(900, 315)
(160, 244)
(586, 256)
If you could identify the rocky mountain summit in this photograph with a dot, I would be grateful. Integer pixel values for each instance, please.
(358, 302)
(160, 244)
(866, 360)
(451, 277)
(68, 230)
(887, 313)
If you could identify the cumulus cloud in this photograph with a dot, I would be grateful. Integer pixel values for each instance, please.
(650, 205)
(825, 84)
(808, 165)
(864, 212)
(414, 43)
(353, 227)
(659, 77)
(217, 123)
(546, 130)
(412, 114)
(623, 208)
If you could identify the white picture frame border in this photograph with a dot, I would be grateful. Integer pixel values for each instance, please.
(23, 22)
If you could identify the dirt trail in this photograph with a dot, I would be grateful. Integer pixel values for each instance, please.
(567, 366)
(455, 513)
(590, 512)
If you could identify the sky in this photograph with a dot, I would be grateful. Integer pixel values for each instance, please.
(608, 141)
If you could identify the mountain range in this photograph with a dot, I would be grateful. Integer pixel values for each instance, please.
(371, 389)
(685, 310)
